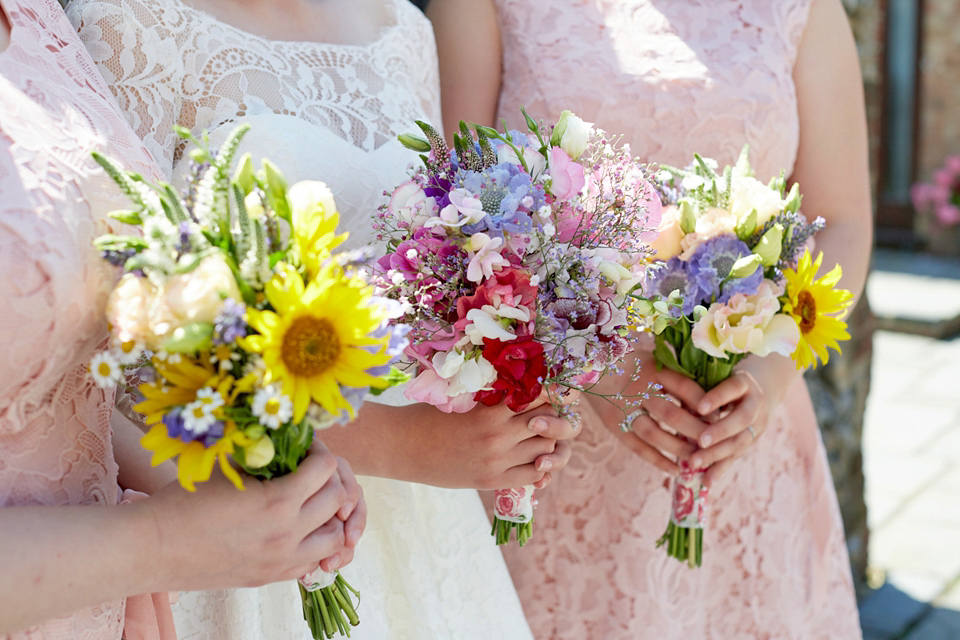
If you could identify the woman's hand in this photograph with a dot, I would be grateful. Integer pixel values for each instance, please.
(219, 537)
(739, 410)
(671, 407)
(353, 513)
(484, 448)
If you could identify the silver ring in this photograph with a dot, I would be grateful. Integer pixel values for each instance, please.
(627, 424)
(753, 433)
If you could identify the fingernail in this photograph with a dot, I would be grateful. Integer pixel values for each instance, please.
(696, 463)
(353, 536)
(705, 440)
(545, 465)
(538, 425)
(333, 562)
(704, 408)
(346, 509)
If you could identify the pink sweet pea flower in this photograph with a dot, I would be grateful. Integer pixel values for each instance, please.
(567, 177)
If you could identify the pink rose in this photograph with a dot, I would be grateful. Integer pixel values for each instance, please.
(567, 177)
(682, 501)
(514, 504)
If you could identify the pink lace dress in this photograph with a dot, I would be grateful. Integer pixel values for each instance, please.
(55, 434)
(678, 77)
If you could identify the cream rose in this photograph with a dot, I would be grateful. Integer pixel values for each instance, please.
(572, 133)
(669, 234)
(748, 194)
(710, 224)
(747, 324)
(127, 309)
(198, 295)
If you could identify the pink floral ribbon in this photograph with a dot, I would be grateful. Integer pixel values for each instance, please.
(318, 579)
(514, 505)
(689, 509)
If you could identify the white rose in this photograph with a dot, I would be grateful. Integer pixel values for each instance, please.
(748, 194)
(572, 133)
(308, 197)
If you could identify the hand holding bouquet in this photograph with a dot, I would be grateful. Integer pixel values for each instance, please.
(247, 333)
(733, 276)
(514, 257)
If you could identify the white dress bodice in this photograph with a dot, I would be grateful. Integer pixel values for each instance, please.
(426, 566)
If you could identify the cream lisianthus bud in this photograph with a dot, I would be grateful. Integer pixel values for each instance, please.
(572, 134)
(770, 246)
(260, 453)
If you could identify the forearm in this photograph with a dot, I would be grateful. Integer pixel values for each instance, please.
(376, 442)
(57, 560)
(136, 472)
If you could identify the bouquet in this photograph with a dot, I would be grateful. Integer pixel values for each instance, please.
(514, 256)
(732, 276)
(247, 334)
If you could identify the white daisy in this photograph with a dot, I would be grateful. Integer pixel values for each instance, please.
(272, 407)
(106, 370)
(130, 352)
(198, 415)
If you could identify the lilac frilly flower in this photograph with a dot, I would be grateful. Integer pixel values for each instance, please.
(675, 275)
(174, 422)
(507, 193)
(710, 266)
(229, 325)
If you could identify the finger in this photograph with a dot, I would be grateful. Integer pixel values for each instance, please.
(322, 506)
(548, 425)
(324, 542)
(648, 453)
(716, 471)
(297, 572)
(676, 418)
(646, 429)
(730, 390)
(559, 396)
(338, 560)
(744, 415)
(681, 387)
(555, 460)
(351, 487)
(544, 481)
(723, 450)
(312, 473)
(529, 450)
(519, 476)
(354, 526)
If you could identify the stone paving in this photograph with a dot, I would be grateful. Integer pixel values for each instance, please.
(912, 453)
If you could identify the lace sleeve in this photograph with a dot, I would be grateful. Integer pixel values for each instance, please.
(138, 53)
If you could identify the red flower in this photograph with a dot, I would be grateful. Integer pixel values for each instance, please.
(521, 369)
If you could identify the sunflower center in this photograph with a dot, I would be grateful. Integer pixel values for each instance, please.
(807, 306)
(310, 346)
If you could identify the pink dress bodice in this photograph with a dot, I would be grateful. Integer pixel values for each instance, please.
(55, 434)
(676, 77)
(673, 77)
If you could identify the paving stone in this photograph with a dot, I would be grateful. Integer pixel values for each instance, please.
(951, 599)
(916, 548)
(923, 298)
(939, 624)
(888, 611)
(905, 426)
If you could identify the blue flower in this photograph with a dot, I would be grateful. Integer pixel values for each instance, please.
(710, 266)
(503, 189)
(675, 275)
(229, 325)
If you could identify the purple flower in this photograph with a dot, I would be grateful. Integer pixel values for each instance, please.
(710, 266)
(507, 193)
(229, 325)
(675, 275)
(173, 421)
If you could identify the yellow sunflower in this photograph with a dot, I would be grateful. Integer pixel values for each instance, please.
(195, 460)
(315, 221)
(315, 338)
(817, 306)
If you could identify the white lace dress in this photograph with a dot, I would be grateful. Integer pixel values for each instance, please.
(426, 566)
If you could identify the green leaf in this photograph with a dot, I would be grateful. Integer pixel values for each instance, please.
(664, 357)
(190, 338)
(414, 143)
(114, 242)
(127, 217)
(394, 378)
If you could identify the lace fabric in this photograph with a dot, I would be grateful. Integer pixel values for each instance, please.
(426, 566)
(677, 77)
(55, 443)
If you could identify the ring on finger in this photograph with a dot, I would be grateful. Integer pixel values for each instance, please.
(753, 433)
(627, 424)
